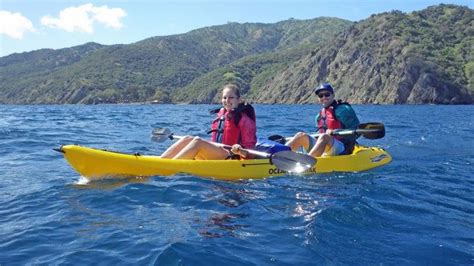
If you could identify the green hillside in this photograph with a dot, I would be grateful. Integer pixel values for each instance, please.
(393, 57)
(150, 69)
(420, 57)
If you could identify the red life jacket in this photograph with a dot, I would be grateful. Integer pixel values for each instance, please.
(224, 129)
(327, 120)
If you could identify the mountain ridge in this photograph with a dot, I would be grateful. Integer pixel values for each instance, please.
(389, 58)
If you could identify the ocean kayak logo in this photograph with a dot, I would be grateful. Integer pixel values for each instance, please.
(379, 158)
(276, 171)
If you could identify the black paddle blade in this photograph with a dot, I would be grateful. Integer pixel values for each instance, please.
(371, 130)
(291, 161)
(160, 134)
(277, 138)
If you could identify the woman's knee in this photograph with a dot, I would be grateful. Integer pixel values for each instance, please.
(326, 138)
(195, 141)
(185, 140)
(300, 135)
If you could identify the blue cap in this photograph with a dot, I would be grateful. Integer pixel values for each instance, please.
(325, 86)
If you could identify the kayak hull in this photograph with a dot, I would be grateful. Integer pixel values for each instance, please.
(97, 164)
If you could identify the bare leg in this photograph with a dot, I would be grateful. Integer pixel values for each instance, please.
(299, 140)
(202, 149)
(176, 147)
(323, 141)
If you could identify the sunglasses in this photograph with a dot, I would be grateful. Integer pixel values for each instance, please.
(321, 95)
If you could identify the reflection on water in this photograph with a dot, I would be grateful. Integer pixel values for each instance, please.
(223, 224)
(309, 207)
(108, 184)
(230, 195)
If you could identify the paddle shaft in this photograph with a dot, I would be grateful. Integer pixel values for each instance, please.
(336, 133)
(367, 130)
(346, 132)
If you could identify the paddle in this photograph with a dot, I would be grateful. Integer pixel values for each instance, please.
(284, 160)
(370, 130)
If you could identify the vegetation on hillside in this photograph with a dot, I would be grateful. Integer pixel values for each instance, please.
(393, 57)
(151, 69)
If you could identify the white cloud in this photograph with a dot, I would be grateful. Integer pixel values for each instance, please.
(109, 16)
(82, 18)
(14, 25)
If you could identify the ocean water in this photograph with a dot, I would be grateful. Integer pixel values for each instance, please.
(419, 209)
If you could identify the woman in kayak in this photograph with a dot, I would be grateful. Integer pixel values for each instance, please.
(333, 115)
(234, 126)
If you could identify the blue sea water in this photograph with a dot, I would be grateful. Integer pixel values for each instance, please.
(419, 209)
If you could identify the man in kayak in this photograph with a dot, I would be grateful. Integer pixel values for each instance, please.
(235, 126)
(334, 115)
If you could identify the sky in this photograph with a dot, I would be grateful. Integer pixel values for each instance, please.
(36, 24)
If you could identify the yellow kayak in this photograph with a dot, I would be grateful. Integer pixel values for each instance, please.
(97, 164)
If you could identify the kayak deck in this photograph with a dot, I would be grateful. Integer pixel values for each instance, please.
(99, 164)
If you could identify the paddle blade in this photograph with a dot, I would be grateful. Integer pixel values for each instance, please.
(160, 134)
(291, 161)
(277, 138)
(371, 130)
